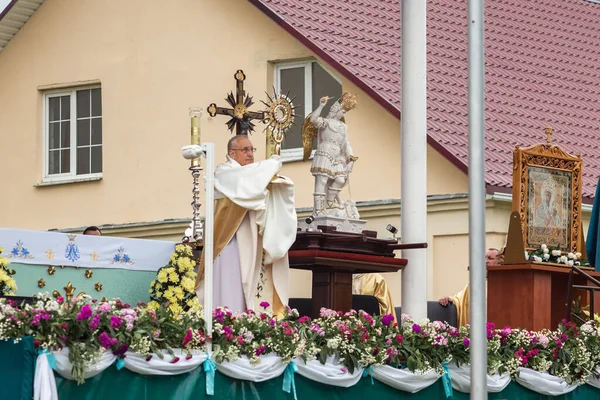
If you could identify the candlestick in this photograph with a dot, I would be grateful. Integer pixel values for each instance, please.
(195, 114)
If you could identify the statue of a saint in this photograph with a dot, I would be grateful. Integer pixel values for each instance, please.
(333, 160)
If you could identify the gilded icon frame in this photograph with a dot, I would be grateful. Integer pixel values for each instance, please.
(547, 195)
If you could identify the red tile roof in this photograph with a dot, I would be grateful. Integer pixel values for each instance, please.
(542, 68)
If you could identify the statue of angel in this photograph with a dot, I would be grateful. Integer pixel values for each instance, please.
(333, 160)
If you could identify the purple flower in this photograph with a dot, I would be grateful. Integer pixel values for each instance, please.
(264, 304)
(466, 342)
(416, 328)
(387, 319)
(85, 313)
(260, 350)
(106, 341)
(116, 322)
(95, 322)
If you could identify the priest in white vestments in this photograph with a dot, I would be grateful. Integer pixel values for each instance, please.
(255, 225)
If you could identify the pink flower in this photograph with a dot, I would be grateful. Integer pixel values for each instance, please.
(399, 338)
(175, 360)
(188, 336)
(64, 326)
(85, 313)
(60, 299)
(466, 342)
(106, 341)
(264, 304)
(260, 351)
(95, 322)
(156, 334)
(115, 322)
(304, 319)
(387, 319)
(416, 328)
(104, 307)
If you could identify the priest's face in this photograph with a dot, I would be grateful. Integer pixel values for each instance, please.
(242, 151)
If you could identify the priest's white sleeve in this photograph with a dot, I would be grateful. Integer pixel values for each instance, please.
(247, 186)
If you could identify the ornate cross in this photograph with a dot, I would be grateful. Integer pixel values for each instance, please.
(548, 133)
(241, 117)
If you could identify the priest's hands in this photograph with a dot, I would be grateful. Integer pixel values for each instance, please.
(445, 300)
(191, 151)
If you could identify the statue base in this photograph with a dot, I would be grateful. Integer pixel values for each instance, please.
(341, 224)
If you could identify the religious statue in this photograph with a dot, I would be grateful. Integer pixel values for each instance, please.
(333, 160)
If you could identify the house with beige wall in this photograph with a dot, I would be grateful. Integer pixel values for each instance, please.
(94, 99)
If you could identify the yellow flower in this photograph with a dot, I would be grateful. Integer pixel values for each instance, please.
(158, 294)
(1, 249)
(4, 261)
(3, 276)
(169, 270)
(12, 285)
(187, 284)
(158, 286)
(154, 305)
(176, 309)
(178, 293)
(173, 277)
(191, 275)
(180, 248)
(169, 294)
(163, 276)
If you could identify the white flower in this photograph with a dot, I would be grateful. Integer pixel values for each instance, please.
(546, 251)
(526, 255)
(544, 247)
(570, 263)
(558, 253)
(555, 253)
(571, 256)
(577, 255)
(546, 256)
(563, 259)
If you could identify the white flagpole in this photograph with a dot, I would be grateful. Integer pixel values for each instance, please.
(209, 185)
(477, 271)
(413, 183)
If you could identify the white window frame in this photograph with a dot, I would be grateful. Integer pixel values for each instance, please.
(72, 175)
(296, 154)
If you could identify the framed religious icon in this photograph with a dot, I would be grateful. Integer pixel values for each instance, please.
(547, 196)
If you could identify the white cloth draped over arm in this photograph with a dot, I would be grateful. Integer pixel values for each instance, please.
(247, 186)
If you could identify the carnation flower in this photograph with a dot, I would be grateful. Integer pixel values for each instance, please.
(387, 319)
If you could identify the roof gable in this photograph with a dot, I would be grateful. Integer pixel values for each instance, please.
(542, 68)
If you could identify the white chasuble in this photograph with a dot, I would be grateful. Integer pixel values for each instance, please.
(264, 236)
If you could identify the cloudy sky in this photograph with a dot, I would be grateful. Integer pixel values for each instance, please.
(3, 4)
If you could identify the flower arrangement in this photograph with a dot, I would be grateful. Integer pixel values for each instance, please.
(174, 283)
(253, 334)
(555, 255)
(89, 328)
(355, 338)
(8, 286)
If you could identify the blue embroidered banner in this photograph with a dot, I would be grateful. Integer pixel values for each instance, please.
(61, 249)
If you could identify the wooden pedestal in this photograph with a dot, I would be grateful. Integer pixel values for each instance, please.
(531, 296)
(332, 274)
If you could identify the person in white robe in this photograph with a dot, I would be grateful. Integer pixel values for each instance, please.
(255, 225)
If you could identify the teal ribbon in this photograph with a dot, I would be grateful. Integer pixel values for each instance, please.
(120, 363)
(49, 356)
(369, 371)
(210, 367)
(447, 381)
(289, 383)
